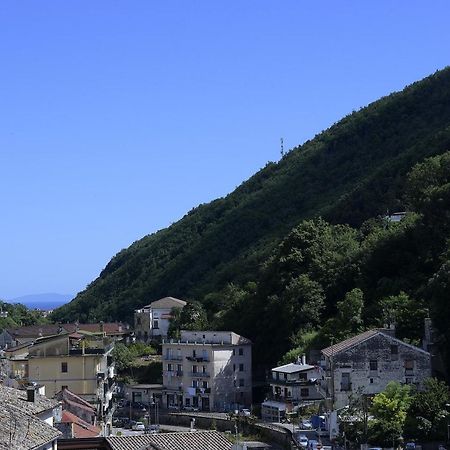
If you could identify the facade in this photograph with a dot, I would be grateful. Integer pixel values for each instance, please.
(366, 363)
(152, 321)
(79, 363)
(207, 370)
(291, 385)
(27, 419)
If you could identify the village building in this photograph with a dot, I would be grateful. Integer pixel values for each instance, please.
(207, 370)
(152, 321)
(291, 386)
(366, 363)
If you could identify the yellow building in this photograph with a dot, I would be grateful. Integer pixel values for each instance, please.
(75, 361)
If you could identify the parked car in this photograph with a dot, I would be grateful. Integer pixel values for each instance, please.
(302, 440)
(152, 429)
(312, 444)
(245, 412)
(306, 424)
(138, 426)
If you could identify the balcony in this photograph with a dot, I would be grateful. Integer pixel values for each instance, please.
(292, 382)
(198, 359)
(199, 374)
(172, 358)
(203, 390)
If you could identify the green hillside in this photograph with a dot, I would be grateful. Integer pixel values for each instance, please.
(351, 172)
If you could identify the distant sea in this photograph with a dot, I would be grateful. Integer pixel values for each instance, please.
(43, 301)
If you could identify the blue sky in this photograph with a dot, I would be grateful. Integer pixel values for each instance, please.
(119, 117)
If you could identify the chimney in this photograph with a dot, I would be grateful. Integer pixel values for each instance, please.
(31, 394)
(303, 359)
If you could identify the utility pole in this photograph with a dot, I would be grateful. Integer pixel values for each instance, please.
(282, 147)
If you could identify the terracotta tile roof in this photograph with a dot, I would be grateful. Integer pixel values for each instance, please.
(34, 331)
(81, 429)
(350, 342)
(199, 440)
(73, 399)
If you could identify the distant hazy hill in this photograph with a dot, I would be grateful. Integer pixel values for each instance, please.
(352, 171)
(43, 301)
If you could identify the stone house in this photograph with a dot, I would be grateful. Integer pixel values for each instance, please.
(366, 363)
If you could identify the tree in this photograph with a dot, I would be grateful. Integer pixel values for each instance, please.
(406, 314)
(428, 414)
(191, 317)
(389, 410)
(123, 356)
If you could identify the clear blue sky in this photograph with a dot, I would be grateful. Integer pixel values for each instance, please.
(117, 117)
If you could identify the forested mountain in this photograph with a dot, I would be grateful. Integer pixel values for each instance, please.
(227, 254)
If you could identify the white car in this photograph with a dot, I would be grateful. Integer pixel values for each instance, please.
(306, 424)
(245, 412)
(302, 440)
(138, 426)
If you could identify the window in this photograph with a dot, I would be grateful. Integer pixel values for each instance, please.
(371, 381)
(169, 367)
(302, 376)
(409, 367)
(195, 383)
(156, 324)
(373, 364)
(345, 382)
(195, 402)
(194, 354)
(204, 369)
(241, 367)
(234, 352)
(234, 367)
(241, 351)
(304, 392)
(394, 352)
(64, 367)
(179, 368)
(194, 369)
(241, 382)
(188, 401)
(205, 384)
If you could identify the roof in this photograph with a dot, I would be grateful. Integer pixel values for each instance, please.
(20, 429)
(293, 368)
(167, 302)
(34, 331)
(74, 400)
(199, 440)
(18, 397)
(81, 429)
(359, 338)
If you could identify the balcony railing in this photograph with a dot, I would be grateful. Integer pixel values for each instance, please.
(172, 357)
(199, 374)
(292, 382)
(197, 358)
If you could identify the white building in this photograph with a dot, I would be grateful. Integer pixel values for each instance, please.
(152, 321)
(291, 385)
(207, 370)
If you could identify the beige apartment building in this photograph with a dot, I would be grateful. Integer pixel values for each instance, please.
(82, 364)
(208, 371)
